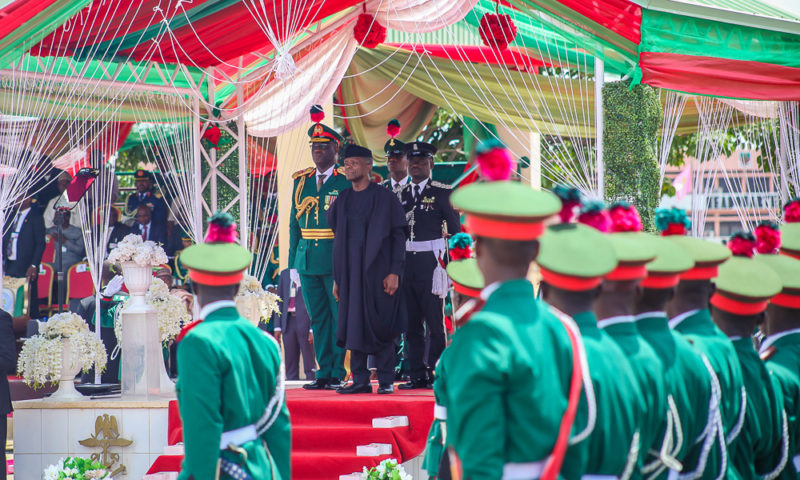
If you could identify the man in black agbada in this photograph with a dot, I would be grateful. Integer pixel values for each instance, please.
(368, 255)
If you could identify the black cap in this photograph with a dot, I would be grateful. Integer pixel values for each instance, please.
(415, 149)
(144, 174)
(353, 150)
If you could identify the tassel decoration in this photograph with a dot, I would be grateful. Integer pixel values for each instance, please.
(495, 161)
(393, 128)
(317, 114)
(742, 244)
(221, 229)
(624, 218)
(368, 32)
(497, 30)
(768, 237)
(791, 211)
(570, 201)
(594, 215)
(672, 221)
(460, 246)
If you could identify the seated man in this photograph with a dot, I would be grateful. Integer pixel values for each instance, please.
(147, 228)
(72, 249)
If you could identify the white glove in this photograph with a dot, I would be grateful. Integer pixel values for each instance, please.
(114, 286)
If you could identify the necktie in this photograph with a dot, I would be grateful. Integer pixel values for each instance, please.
(320, 181)
(416, 192)
(144, 232)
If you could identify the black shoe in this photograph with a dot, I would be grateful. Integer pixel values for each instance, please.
(385, 389)
(415, 384)
(355, 388)
(317, 384)
(334, 384)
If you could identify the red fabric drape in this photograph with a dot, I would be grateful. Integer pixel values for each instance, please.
(17, 13)
(623, 17)
(106, 143)
(512, 57)
(720, 77)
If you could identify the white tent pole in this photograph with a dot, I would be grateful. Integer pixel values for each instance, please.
(198, 199)
(599, 73)
(243, 197)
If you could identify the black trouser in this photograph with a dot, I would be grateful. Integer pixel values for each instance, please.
(295, 343)
(384, 362)
(3, 435)
(425, 310)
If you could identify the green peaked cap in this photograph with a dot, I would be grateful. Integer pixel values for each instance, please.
(394, 146)
(465, 273)
(505, 200)
(576, 250)
(705, 253)
(790, 238)
(787, 268)
(216, 257)
(748, 278)
(632, 247)
(670, 258)
(320, 133)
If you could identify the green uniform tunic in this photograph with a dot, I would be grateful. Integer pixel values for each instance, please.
(762, 435)
(783, 362)
(435, 445)
(698, 328)
(649, 372)
(688, 386)
(613, 449)
(229, 371)
(311, 253)
(505, 381)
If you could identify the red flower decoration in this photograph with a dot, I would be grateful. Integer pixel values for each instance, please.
(597, 219)
(212, 134)
(460, 253)
(791, 212)
(674, 229)
(368, 32)
(742, 246)
(497, 30)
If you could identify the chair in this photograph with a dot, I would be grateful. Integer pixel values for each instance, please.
(44, 285)
(79, 285)
(49, 255)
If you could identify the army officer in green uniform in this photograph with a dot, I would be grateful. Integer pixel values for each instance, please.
(230, 384)
(512, 376)
(311, 248)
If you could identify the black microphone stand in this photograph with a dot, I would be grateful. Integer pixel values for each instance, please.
(59, 223)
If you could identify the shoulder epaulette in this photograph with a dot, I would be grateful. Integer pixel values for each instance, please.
(300, 173)
(157, 194)
(340, 170)
(434, 183)
(768, 353)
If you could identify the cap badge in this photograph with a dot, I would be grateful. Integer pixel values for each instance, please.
(318, 129)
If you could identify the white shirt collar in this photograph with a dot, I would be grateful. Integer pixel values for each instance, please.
(327, 173)
(677, 319)
(421, 185)
(606, 322)
(774, 338)
(141, 227)
(401, 183)
(654, 314)
(214, 306)
(488, 290)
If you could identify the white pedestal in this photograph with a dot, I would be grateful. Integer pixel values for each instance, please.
(45, 431)
(142, 361)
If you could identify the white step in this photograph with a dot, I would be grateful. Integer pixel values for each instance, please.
(390, 422)
(174, 449)
(351, 476)
(374, 450)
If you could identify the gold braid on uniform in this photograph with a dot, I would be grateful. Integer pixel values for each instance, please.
(306, 205)
(273, 261)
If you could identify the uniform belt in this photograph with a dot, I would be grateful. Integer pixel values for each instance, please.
(796, 461)
(316, 233)
(523, 471)
(425, 246)
(238, 437)
(439, 412)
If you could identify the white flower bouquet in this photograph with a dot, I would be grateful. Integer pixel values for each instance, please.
(388, 469)
(172, 313)
(40, 358)
(133, 249)
(250, 290)
(76, 468)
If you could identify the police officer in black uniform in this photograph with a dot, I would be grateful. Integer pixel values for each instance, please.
(146, 194)
(429, 215)
(396, 160)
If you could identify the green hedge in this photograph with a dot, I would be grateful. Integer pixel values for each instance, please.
(632, 121)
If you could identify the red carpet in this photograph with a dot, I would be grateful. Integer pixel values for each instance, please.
(327, 428)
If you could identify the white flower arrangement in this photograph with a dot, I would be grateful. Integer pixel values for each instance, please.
(250, 288)
(388, 469)
(171, 311)
(40, 358)
(76, 468)
(133, 249)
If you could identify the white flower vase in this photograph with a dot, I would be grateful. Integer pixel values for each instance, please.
(137, 279)
(250, 308)
(69, 369)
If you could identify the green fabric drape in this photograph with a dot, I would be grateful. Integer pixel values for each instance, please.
(475, 132)
(492, 95)
(670, 33)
